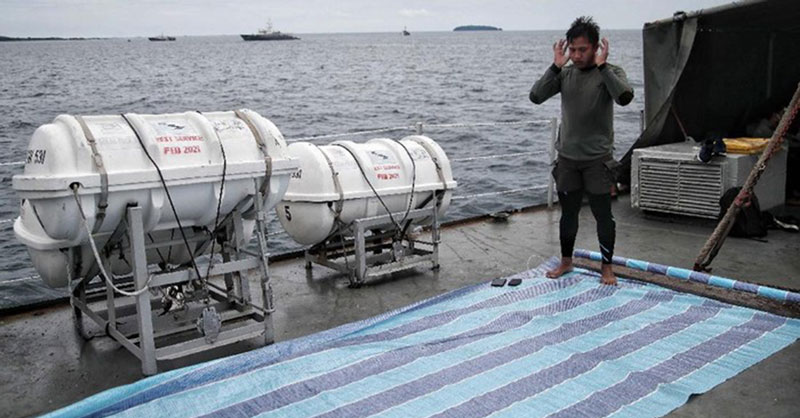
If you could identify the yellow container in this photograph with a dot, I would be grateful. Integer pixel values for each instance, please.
(745, 145)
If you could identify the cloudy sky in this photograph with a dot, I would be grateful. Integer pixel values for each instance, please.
(211, 17)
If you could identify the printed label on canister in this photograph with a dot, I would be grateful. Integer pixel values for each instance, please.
(112, 135)
(177, 138)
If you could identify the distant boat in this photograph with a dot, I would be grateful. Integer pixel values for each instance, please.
(161, 38)
(476, 28)
(267, 34)
(406, 32)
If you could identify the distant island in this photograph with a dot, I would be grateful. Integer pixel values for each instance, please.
(12, 39)
(475, 27)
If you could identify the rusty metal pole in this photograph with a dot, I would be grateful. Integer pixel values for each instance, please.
(717, 238)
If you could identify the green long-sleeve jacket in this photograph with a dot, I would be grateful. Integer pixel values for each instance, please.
(587, 107)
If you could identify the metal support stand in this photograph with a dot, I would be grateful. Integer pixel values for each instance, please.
(211, 318)
(362, 256)
(551, 154)
(641, 122)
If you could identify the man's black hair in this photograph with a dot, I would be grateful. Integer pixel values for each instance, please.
(584, 26)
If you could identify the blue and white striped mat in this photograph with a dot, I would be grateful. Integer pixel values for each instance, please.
(567, 347)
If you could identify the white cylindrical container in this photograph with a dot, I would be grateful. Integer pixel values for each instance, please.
(186, 147)
(308, 209)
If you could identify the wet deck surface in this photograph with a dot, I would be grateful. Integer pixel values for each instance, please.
(47, 366)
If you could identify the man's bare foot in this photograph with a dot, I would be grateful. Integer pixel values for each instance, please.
(607, 276)
(564, 267)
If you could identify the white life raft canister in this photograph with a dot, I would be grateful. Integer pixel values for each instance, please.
(393, 168)
(106, 159)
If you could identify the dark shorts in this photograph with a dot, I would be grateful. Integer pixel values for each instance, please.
(593, 176)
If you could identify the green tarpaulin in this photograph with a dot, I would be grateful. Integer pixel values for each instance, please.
(716, 70)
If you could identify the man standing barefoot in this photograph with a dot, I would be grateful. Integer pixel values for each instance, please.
(589, 87)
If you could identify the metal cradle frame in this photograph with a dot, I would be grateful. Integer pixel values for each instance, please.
(380, 252)
(233, 315)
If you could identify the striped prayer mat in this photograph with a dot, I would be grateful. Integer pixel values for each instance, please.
(568, 347)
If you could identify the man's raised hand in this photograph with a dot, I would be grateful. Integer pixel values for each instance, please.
(560, 57)
(601, 56)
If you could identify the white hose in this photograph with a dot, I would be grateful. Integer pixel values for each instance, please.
(98, 258)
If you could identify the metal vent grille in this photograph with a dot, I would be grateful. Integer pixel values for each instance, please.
(680, 187)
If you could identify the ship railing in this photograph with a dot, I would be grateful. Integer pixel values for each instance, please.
(420, 128)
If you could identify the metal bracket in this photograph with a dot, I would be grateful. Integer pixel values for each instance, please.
(381, 252)
(209, 324)
(229, 316)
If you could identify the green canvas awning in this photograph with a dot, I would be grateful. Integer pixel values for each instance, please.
(716, 70)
